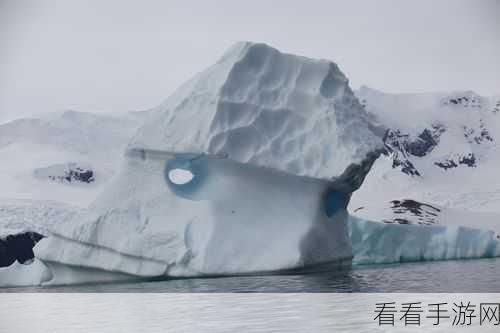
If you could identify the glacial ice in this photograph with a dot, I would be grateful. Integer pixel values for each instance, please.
(19, 275)
(236, 219)
(259, 106)
(276, 144)
(382, 243)
(372, 243)
(270, 147)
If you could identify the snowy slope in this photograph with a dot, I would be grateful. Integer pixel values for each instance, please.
(34, 215)
(67, 157)
(441, 149)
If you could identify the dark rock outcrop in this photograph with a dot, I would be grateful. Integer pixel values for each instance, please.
(496, 108)
(77, 174)
(402, 146)
(471, 101)
(472, 136)
(406, 166)
(468, 160)
(425, 142)
(67, 173)
(408, 211)
(18, 247)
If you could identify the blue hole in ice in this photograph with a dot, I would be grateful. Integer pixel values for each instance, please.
(185, 174)
(335, 201)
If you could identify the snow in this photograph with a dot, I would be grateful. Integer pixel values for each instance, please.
(380, 243)
(250, 167)
(267, 136)
(469, 125)
(4, 232)
(32, 148)
(38, 216)
(259, 106)
(428, 214)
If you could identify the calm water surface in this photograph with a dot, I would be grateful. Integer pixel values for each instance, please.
(459, 276)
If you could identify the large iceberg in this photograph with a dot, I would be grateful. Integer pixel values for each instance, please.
(274, 145)
(248, 167)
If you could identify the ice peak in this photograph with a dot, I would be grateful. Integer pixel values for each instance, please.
(260, 106)
(242, 48)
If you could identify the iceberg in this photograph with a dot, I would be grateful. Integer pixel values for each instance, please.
(382, 243)
(249, 167)
(275, 144)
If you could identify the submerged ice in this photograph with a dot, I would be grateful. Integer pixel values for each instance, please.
(248, 167)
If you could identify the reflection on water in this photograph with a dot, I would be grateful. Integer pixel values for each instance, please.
(262, 312)
(443, 276)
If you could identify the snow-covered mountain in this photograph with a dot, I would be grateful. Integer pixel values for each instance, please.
(52, 168)
(66, 156)
(440, 149)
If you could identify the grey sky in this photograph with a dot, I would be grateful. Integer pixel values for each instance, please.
(130, 55)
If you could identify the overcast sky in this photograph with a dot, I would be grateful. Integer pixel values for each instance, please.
(130, 55)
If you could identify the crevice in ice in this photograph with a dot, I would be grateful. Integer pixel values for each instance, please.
(91, 255)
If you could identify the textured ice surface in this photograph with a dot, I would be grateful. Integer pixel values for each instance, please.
(273, 145)
(236, 219)
(375, 242)
(37, 216)
(259, 106)
(276, 144)
(18, 275)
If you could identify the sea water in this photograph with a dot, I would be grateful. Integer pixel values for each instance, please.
(470, 276)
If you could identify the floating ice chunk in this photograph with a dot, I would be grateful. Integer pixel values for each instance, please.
(377, 243)
(18, 275)
(275, 144)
